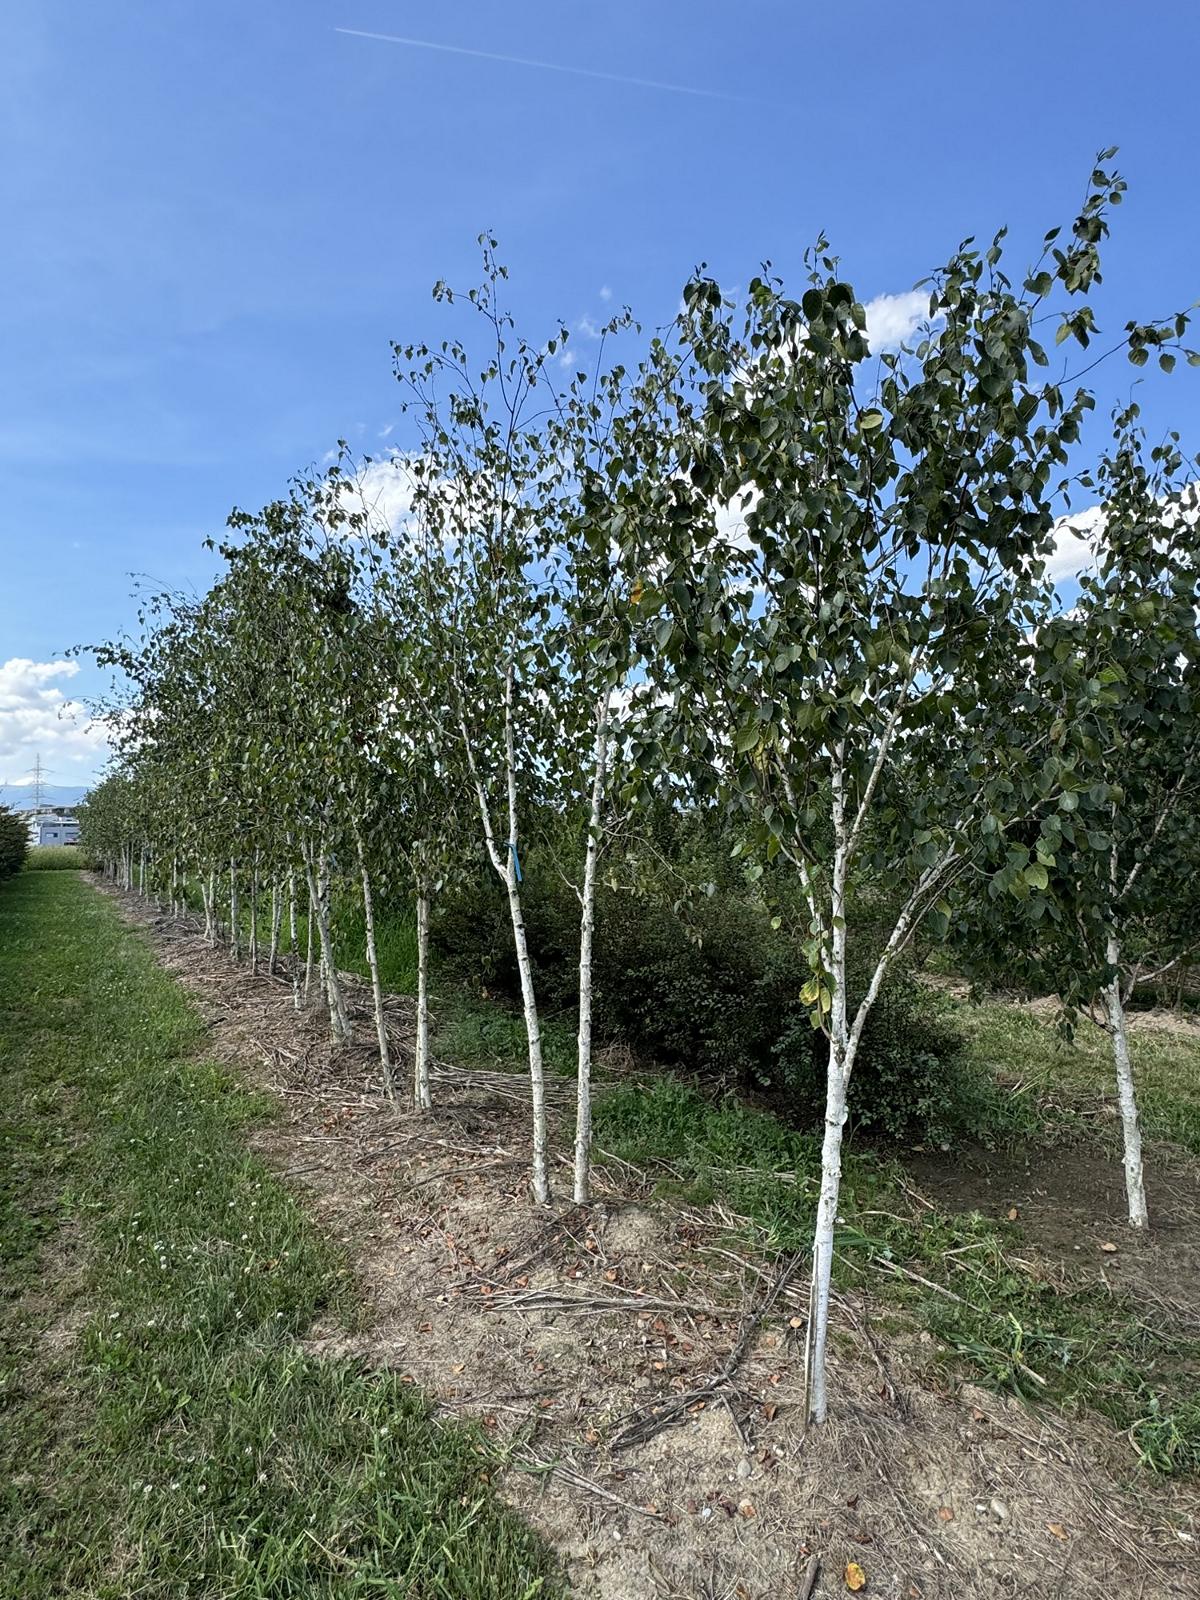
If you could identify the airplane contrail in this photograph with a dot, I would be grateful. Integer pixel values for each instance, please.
(544, 66)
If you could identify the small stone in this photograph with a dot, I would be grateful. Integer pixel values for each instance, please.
(744, 1468)
(999, 1510)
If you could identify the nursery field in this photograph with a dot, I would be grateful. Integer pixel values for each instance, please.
(268, 1333)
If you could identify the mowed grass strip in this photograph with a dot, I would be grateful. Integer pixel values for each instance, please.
(161, 1431)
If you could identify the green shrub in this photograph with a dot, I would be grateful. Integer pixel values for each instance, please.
(715, 993)
(14, 843)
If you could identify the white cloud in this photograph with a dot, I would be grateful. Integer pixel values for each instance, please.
(381, 492)
(893, 318)
(731, 517)
(606, 293)
(1076, 538)
(38, 718)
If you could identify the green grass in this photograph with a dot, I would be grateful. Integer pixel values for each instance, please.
(55, 858)
(1012, 1043)
(1009, 1328)
(183, 1444)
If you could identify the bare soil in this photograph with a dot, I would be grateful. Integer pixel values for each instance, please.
(1070, 1208)
(567, 1333)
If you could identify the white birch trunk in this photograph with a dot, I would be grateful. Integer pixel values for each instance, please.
(422, 1098)
(537, 1078)
(142, 875)
(587, 928)
(506, 867)
(1130, 1132)
(235, 932)
(293, 941)
(254, 917)
(214, 928)
(838, 1073)
(318, 888)
(276, 924)
(308, 952)
(822, 1262)
(385, 1061)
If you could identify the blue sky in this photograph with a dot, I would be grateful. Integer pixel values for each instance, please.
(218, 214)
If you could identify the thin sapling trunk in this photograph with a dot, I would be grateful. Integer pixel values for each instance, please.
(422, 1097)
(1126, 1099)
(385, 1062)
(587, 927)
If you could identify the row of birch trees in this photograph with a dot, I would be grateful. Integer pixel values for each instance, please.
(748, 563)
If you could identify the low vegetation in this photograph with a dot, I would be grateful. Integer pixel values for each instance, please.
(164, 1431)
(55, 858)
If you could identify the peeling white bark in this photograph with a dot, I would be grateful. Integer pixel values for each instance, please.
(318, 887)
(385, 1061)
(587, 928)
(276, 924)
(293, 942)
(235, 931)
(422, 1097)
(505, 866)
(254, 917)
(1118, 1032)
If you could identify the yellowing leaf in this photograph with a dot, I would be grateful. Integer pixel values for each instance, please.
(856, 1578)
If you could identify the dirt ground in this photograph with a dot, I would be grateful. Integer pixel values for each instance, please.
(574, 1334)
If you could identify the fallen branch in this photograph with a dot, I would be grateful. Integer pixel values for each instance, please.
(642, 1426)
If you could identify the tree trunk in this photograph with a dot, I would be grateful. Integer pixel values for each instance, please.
(214, 930)
(235, 931)
(293, 941)
(508, 870)
(1131, 1133)
(537, 1077)
(385, 1062)
(837, 1074)
(422, 1098)
(822, 1262)
(276, 924)
(318, 888)
(254, 917)
(308, 952)
(587, 927)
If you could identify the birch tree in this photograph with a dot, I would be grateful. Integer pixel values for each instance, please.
(1109, 905)
(481, 483)
(849, 666)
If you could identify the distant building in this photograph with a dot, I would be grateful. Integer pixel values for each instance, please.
(52, 827)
